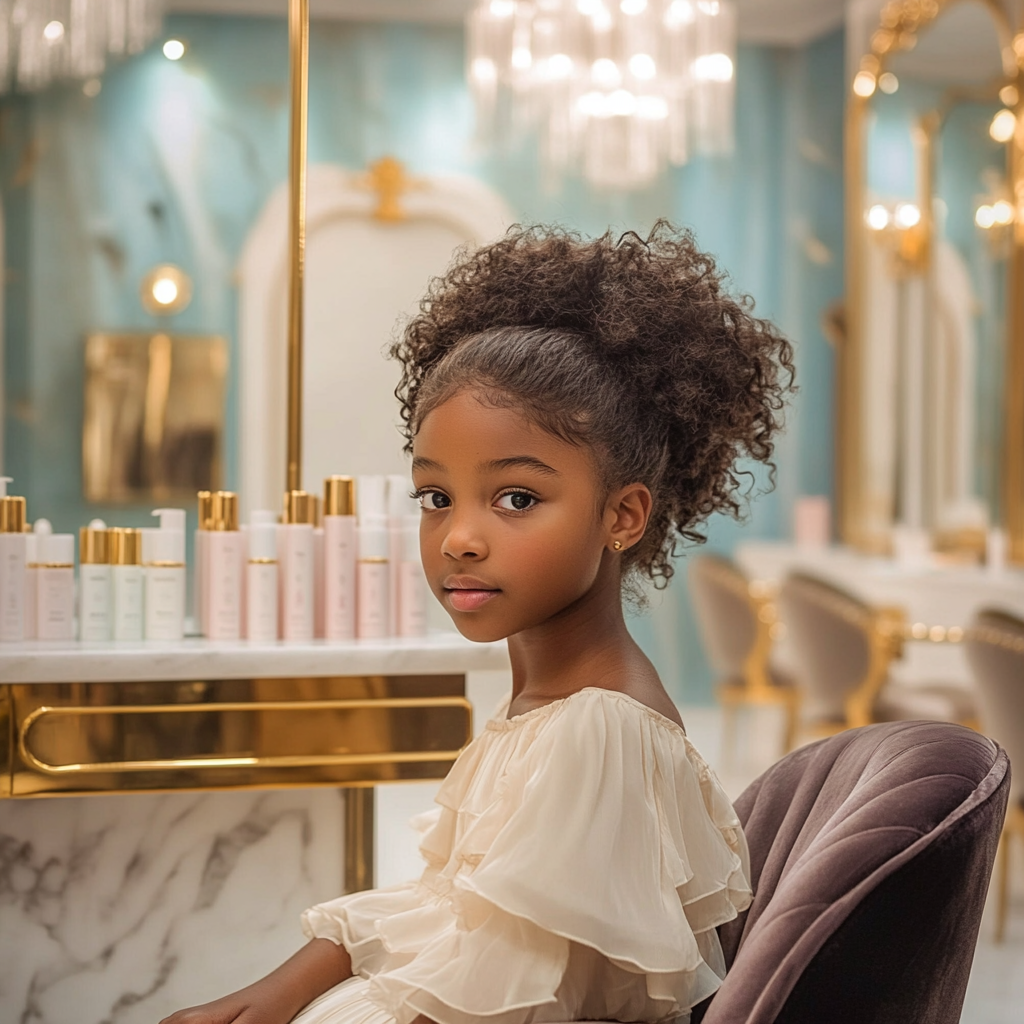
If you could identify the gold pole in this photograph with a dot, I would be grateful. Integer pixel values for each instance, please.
(298, 41)
(1013, 440)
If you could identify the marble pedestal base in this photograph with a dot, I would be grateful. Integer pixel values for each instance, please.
(121, 909)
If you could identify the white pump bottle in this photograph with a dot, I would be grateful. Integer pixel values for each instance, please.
(164, 576)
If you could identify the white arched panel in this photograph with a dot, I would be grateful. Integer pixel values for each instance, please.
(363, 277)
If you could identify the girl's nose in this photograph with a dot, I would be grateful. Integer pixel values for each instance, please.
(463, 541)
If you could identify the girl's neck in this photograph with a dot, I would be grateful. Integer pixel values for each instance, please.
(586, 644)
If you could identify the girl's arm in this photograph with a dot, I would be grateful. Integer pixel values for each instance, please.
(278, 997)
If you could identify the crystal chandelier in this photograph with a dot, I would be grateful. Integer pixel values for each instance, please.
(617, 88)
(46, 40)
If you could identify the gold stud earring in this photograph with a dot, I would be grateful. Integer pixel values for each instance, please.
(617, 545)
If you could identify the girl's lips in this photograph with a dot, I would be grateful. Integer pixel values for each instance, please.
(470, 600)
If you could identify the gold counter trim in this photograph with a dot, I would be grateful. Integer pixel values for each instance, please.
(272, 761)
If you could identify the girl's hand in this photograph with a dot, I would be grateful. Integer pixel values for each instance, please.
(278, 997)
(249, 1006)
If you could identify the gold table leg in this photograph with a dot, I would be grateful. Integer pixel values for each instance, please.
(359, 808)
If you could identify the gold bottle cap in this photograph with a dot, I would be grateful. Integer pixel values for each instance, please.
(125, 546)
(299, 508)
(93, 546)
(224, 511)
(205, 501)
(339, 496)
(12, 514)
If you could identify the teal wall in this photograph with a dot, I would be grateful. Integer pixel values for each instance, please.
(173, 162)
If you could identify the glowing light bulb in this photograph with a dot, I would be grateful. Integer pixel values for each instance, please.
(1008, 95)
(605, 73)
(1003, 125)
(984, 217)
(521, 58)
(1002, 212)
(165, 291)
(622, 103)
(559, 65)
(864, 84)
(503, 8)
(679, 13)
(483, 70)
(631, 7)
(54, 31)
(888, 83)
(642, 66)
(878, 217)
(174, 49)
(907, 215)
(713, 67)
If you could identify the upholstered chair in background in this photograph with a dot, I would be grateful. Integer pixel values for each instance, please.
(995, 652)
(737, 622)
(844, 649)
(871, 853)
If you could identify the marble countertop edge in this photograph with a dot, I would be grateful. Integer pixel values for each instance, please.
(196, 658)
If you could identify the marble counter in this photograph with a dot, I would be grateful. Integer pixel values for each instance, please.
(195, 658)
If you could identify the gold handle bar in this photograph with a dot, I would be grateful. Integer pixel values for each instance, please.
(242, 761)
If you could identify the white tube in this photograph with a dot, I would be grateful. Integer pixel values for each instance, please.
(297, 600)
(126, 583)
(31, 577)
(412, 584)
(319, 605)
(339, 577)
(222, 601)
(164, 575)
(94, 600)
(261, 590)
(55, 587)
(13, 556)
(373, 579)
(94, 597)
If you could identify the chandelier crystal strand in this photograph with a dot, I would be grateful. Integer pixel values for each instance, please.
(42, 41)
(618, 89)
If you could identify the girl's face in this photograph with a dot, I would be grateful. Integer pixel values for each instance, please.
(516, 524)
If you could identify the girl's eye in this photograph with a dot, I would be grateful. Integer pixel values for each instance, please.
(516, 501)
(432, 501)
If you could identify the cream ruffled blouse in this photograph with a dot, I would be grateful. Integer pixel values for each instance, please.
(581, 857)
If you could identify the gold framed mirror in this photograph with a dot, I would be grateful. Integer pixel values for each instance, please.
(153, 427)
(931, 370)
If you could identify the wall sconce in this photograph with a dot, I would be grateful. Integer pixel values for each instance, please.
(905, 233)
(995, 218)
(166, 290)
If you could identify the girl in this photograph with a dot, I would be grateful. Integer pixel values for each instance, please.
(575, 409)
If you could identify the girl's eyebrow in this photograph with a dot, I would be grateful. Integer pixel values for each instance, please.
(420, 462)
(522, 462)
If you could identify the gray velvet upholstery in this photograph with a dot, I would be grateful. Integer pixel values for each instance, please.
(871, 853)
(995, 652)
(725, 615)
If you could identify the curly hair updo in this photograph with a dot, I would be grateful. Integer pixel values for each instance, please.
(629, 346)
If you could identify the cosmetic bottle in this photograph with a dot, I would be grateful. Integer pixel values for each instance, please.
(31, 565)
(13, 557)
(40, 528)
(204, 504)
(94, 600)
(296, 554)
(296, 571)
(55, 587)
(373, 574)
(126, 583)
(398, 488)
(222, 597)
(339, 558)
(163, 556)
(319, 621)
(412, 584)
(261, 591)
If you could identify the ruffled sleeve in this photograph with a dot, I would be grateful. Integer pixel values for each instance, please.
(581, 849)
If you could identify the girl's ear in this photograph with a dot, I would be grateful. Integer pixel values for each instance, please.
(626, 514)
